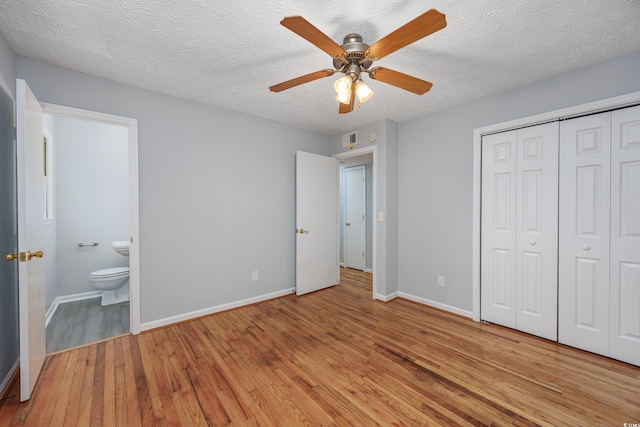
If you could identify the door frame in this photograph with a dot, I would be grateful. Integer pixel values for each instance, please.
(561, 114)
(374, 205)
(134, 208)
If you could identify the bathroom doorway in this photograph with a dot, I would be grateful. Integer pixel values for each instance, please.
(92, 201)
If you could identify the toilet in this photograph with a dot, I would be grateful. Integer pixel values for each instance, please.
(113, 282)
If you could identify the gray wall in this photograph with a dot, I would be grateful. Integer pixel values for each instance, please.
(91, 199)
(435, 173)
(217, 192)
(9, 341)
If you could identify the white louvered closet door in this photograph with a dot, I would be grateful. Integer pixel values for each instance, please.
(583, 315)
(498, 243)
(625, 235)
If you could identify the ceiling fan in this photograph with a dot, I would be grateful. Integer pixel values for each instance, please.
(355, 57)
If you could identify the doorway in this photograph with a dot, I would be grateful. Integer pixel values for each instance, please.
(364, 156)
(82, 231)
(354, 212)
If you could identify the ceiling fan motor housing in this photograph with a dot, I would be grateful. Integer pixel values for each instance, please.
(355, 53)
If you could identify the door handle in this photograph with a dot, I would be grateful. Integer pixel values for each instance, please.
(303, 231)
(347, 224)
(532, 243)
(22, 256)
(37, 254)
(586, 248)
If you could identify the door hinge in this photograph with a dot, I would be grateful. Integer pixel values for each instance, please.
(362, 254)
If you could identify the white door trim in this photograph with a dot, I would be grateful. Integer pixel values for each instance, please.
(374, 203)
(564, 113)
(134, 218)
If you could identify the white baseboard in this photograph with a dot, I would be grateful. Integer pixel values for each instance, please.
(342, 264)
(206, 311)
(7, 380)
(441, 306)
(387, 298)
(68, 298)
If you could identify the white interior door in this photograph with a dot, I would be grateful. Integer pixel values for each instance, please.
(317, 217)
(30, 183)
(498, 244)
(625, 235)
(354, 214)
(583, 271)
(537, 237)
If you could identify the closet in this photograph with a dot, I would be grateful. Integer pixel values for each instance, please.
(560, 231)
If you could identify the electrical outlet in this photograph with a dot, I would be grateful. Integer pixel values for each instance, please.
(254, 276)
(441, 281)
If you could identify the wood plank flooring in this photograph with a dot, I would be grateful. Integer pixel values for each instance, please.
(85, 321)
(332, 358)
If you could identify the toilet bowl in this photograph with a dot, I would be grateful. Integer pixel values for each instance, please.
(114, 284)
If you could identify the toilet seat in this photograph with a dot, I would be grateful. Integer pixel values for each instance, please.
(109, 273)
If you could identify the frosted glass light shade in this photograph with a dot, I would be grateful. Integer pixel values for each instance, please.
(343, 98)
(363, 91)
(343, 89)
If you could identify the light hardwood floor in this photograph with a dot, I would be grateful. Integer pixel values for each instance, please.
(333, 357)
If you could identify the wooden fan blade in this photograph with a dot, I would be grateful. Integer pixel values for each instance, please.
(304, 29)
(425, 24)
(401, 80)
(347, 108)
(300, 80)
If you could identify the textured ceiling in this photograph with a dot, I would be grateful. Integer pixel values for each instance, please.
(227, 53)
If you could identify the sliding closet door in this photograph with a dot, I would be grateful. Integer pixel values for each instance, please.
(625, 235)
(537, 231)
(583, 315)
(498, 242)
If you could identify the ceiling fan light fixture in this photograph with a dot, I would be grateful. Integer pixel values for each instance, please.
(343, 98)
(343, 88)
(363, 91)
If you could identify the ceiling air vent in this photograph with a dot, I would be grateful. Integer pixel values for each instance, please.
(349, 139)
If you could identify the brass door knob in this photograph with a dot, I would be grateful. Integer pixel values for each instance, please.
(37, 254)
(348, 224)
(11, 257)
(303, 231)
